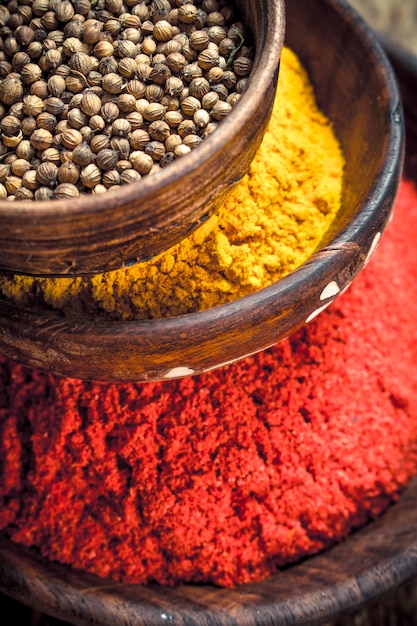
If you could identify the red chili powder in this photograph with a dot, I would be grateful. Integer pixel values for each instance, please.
(224, 477)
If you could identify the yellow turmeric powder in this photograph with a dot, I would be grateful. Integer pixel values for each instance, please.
(271, 224)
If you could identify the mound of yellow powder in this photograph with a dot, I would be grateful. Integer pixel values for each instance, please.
(271, 224)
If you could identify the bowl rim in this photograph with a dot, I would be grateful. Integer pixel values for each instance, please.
(266, 63)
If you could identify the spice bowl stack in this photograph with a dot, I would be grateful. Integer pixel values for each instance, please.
(116, 485)
(354, 87)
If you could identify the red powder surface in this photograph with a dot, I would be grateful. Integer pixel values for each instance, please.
(224, 477)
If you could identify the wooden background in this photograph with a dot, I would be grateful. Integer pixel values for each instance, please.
(398, 19)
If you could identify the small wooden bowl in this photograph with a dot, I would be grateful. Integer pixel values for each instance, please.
(93, 234)
(356, 88)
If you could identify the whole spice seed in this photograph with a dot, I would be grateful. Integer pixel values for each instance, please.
(217, 478)
(46, 174)
(112, 68)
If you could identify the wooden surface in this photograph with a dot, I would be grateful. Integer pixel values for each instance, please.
(394, 18)
(355, 87)
(96, 233)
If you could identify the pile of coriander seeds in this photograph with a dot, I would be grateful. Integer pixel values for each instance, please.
(95, 94)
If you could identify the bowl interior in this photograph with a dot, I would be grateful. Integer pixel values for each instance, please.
(356, 88)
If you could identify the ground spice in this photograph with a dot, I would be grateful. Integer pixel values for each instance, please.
(225, 476)
(273, 222)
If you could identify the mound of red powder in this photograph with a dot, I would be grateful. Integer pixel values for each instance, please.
(224, 477)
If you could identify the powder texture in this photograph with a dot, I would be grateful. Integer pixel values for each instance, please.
(271, 224)
(225, 476)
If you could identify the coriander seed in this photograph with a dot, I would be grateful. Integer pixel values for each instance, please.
(113, 83)
(4, 171)
(23, 194)
(44, 193)
(46, 174)
(51, 154)
(71, 138)
(11, 90)
(99, 189)
(94, 95)
(110, 112)
(66, 190)
(103, 49)
(201, 118)
(20, 59)
(221, 109)
(171, 142)
(111, 178)
(77, 118)
(155, 149)
(126, 103)
(167, 159)
(141, 162)
(82, 155)
(129, 176)
(41, 139)
(30, 73)
(30, 181)
(123, 165)
(68, 173)
(96, 123)
(127, 67)
(138, 139)
(106, 159)
(153, 111)
(90, 175)
(46, 120)
(20, 167)
(181, 150)
(159, 130)
(55, 86)
(90, 103)
(24, 150)
(120, 145)
(99, 142)
(12, 183)
(32, 105)
(10, 125)
(187, 13)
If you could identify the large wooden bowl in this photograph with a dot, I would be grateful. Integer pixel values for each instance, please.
(365, 567)
(356, 88)
(93, 234)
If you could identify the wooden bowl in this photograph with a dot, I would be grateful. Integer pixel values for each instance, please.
(92, 234)
(365, 567)
(356, 88)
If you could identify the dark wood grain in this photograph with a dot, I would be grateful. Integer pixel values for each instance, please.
(97, 233)
(363, 568)
(356, 88)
